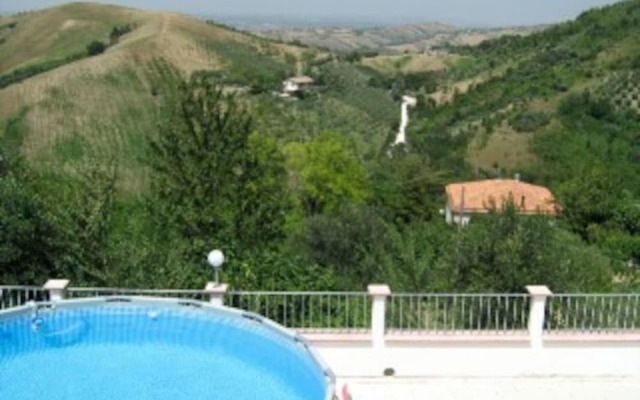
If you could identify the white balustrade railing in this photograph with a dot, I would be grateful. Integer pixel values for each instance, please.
(308, 311)
(592, 313)
(382, 314)
(457, 313)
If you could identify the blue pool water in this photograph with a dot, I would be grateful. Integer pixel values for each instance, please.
(128, 351)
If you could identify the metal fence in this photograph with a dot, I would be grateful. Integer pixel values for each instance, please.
(309, 311)
(592, 313)
(406, 314)
(457, 313)
(78, 292)
(14, 296)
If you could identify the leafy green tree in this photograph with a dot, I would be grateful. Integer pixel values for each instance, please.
(591, 198)
(82, 208)
(505, 251)
(216, 184)
(30, 242)
(350, 243)
(414, 257)
(327, 173)
(408, 187)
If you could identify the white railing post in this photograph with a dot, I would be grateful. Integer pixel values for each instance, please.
(539, 296)
(57, 288)
(379, 294)
(216, 293)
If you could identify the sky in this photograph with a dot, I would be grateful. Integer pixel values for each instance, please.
(463, 12)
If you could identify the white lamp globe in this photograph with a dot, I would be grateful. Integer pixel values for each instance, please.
(215, 258)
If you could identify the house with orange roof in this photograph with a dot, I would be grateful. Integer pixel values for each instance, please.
(478, 197)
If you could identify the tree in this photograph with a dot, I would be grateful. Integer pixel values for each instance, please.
(414, 257)
(30, 242)
(592, 198)
(327, 173)
(505, 251)
(349, 242)
(408, 187)
(85, 220)
(215, 183)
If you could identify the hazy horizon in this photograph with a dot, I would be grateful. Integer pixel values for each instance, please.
(461, 12)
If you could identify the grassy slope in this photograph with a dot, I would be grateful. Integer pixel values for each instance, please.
(58, 32)
(102, 107)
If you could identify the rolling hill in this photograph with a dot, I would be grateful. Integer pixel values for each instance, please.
(486, 95)
(102, 106)
(390, 39)
(517, 80)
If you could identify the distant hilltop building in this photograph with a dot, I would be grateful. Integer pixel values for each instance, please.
(296, 84)
(479, 197)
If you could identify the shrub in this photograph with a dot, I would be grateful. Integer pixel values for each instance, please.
(119, 31)
(600, 109)
(20, 74)
(96, 47)
(529, 121)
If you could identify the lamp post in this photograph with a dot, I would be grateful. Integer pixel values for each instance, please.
(215, 260)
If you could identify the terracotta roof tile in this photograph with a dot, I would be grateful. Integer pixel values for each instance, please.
(479, 196)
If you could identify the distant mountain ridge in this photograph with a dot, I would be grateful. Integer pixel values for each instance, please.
(393, 38)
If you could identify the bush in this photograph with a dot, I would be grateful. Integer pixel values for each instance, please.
(96, 47)
(119, 31)
(351, 57)
(20, 74)
(600, 109)
(529, 121)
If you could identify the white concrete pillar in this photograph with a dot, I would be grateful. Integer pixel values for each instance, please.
(216, 293)
(379, 294)
(538, 302)
(56, 288)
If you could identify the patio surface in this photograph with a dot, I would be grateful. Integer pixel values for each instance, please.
(561, 388)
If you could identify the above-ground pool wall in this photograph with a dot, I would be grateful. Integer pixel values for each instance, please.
(271, 345)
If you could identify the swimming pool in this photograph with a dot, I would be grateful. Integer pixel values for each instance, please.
(143, 348)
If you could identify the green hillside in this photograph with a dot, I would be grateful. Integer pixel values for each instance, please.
(526, 78)
(124, 166)
(87, 108)
(102, 107)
